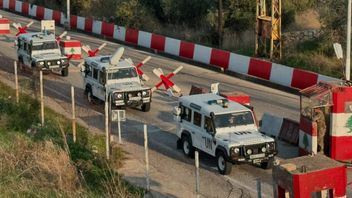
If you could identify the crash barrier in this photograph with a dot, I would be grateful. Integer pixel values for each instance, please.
(309, 176)
(271, 125)
(237, 96)
(4, 25)
(289, 131)
(71, 49)
(227, 61)
(198, 90)
(281, 128)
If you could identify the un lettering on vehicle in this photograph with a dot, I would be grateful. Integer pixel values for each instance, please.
(208, 143)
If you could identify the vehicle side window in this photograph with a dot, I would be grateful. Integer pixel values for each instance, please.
(208, 125)
(19, 43)
(186, 114)
(197, 118)
(102, 78)
(95, 73)
(88, 70)
(29, 48)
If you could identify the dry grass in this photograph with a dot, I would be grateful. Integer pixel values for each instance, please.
(45, 162)
(28, 167)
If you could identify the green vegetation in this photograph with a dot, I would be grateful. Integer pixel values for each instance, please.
(197, 21)
(45, 162)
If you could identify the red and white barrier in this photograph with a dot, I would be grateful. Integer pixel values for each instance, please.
(308, 137)
(276, 73)
(165, 80)
(341, 124)
(71, 49)
(4, 26)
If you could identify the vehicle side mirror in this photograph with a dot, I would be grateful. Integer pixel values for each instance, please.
(83, 71)
(177, 113)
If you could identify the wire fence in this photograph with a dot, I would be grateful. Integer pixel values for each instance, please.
(135, 136)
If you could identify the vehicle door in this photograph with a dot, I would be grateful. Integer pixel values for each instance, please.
(186, 122)
(94, 82)
(208, 143)
(100, 86)
(197, 125)
(26, 53)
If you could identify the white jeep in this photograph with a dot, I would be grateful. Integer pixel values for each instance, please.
(110, 76)
(224, 129)
(41, 50)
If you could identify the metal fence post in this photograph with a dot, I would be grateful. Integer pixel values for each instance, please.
(16, 83)
(73, 113)
(41, 97)
(107, 139)
(259, 188)
(146, 157)
(196, 159)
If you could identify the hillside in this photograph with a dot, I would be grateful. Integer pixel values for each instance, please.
(309, 27)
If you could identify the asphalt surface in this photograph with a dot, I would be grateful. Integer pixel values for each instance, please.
(172, 174)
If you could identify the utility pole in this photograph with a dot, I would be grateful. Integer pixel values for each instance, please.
(68, 5)
(348, 50)
(220, 24)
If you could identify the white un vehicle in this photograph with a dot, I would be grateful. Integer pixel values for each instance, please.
(117, 78)
(224, 129)
(41, 50)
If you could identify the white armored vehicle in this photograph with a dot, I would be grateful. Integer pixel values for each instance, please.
(41, 50)
(117, 78)
(224, 129)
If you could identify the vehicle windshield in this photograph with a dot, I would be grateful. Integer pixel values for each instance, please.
(122, 73)
(45, 46)
(233, 119)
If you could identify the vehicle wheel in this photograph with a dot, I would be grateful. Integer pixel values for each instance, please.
(64, 71)
(267, 165)
(90, 96)
(20, 65)
(224, 166)
(146, 107)
(187, 146)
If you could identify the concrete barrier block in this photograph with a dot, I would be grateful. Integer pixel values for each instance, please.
(271, 125)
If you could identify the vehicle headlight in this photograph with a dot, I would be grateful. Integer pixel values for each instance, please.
(63, 60)
(271, 146)
(41, 63)
(249, 151)
(139, 94)
(263, 149)
(236, 150)
(144, 93)
(58, 62)
(49, 63)
(117, 96)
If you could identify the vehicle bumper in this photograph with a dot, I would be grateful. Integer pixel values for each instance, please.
(132, 102)
(255, 158)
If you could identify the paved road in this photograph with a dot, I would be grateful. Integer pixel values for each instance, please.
(172, 173)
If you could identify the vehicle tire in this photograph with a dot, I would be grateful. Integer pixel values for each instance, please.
(187, 147)
(224, 166)
(90, 97)
(20, 64)
(268, 164)
(64, 71)
(146, 107)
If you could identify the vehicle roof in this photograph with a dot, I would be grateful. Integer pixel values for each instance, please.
(201, 100)
(101, 62)
(38, 36)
